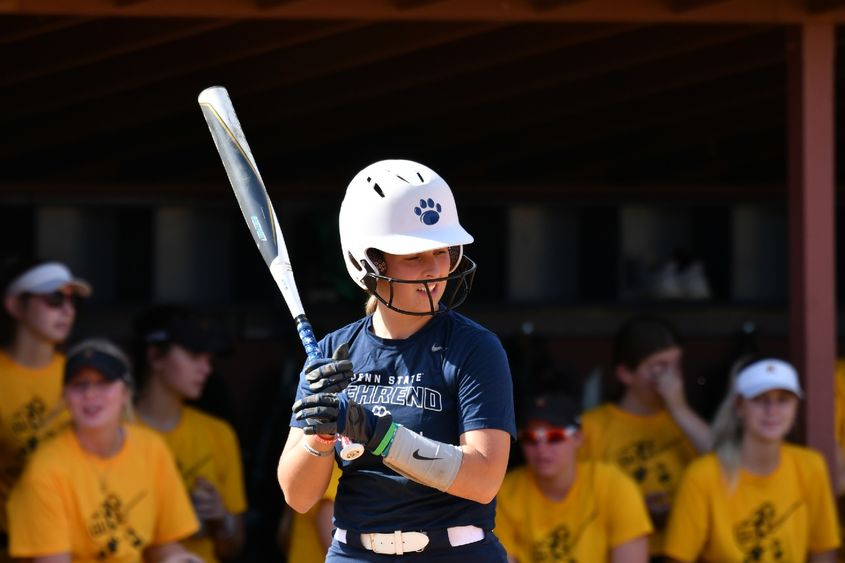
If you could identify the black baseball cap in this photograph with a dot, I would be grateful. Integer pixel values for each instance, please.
(556, 409)
(102, 355)
(178, 325)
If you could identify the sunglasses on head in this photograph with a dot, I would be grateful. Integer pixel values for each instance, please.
(546, 435)
(57, 299)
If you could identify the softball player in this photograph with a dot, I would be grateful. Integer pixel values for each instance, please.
(429, 392)
(755, 498)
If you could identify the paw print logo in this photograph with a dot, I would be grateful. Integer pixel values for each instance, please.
(428, 211)
(379, 410)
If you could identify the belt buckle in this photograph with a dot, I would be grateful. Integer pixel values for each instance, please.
(378, 544)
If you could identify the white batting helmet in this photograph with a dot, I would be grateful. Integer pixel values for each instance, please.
(398, 207)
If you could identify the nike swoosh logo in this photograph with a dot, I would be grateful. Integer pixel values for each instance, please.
(436, 348)
(417, 455)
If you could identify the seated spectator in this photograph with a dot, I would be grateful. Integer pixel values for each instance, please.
(100, 489)
(39, 309)
(557, 509)
(174, 354)
(651, 433)
(305, 538)
(756, 498)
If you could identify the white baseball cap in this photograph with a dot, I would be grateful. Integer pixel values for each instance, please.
(765, 375)
(47, 278)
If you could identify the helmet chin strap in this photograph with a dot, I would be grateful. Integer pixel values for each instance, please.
(457, 287)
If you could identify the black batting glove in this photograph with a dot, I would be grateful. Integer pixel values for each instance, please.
(330, 375)
(320, 413)
(329, 413)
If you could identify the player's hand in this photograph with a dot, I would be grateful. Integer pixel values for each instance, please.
(207, 502)
(320, 413)
(330, 375)
(330, 413)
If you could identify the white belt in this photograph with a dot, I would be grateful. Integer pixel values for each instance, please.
(398, 542)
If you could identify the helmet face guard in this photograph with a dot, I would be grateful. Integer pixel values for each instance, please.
(458, 286)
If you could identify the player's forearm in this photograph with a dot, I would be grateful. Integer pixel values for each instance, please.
(302, 476)
(484, 465)
(474, 470)
(693, 426)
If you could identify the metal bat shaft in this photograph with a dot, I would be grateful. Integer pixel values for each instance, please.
(255, 204)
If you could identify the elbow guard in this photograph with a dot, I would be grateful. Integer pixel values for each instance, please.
(423, 460)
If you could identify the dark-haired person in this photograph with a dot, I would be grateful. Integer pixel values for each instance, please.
(651, 433)
(174, 350)
(39, 310)
(558, 509)
(101, 489)
(429, 397)
(756, 497)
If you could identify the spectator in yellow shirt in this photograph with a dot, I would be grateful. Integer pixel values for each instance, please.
(101, 489)
(756, 498)
(175, 348)
(651, 433)
(556, 509)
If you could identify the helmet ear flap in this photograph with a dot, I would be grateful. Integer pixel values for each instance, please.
(455, 254)
(377, 257)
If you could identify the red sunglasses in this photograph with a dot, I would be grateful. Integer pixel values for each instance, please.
(546, 435)
(57, 299)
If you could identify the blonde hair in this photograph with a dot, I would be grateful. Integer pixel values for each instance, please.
(727, 427)
(371, 305)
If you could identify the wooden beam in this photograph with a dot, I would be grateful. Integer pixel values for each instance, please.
(811, 52)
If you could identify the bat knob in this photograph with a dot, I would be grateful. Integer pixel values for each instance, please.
(350, 450)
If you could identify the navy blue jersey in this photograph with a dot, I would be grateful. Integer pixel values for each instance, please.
(450, 377)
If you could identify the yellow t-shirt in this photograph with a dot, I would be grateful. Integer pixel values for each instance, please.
(206, 446)
(601, 511)
(68, 501)
(31, 410)
(305, 546)
(652, 450)
(783, 516)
